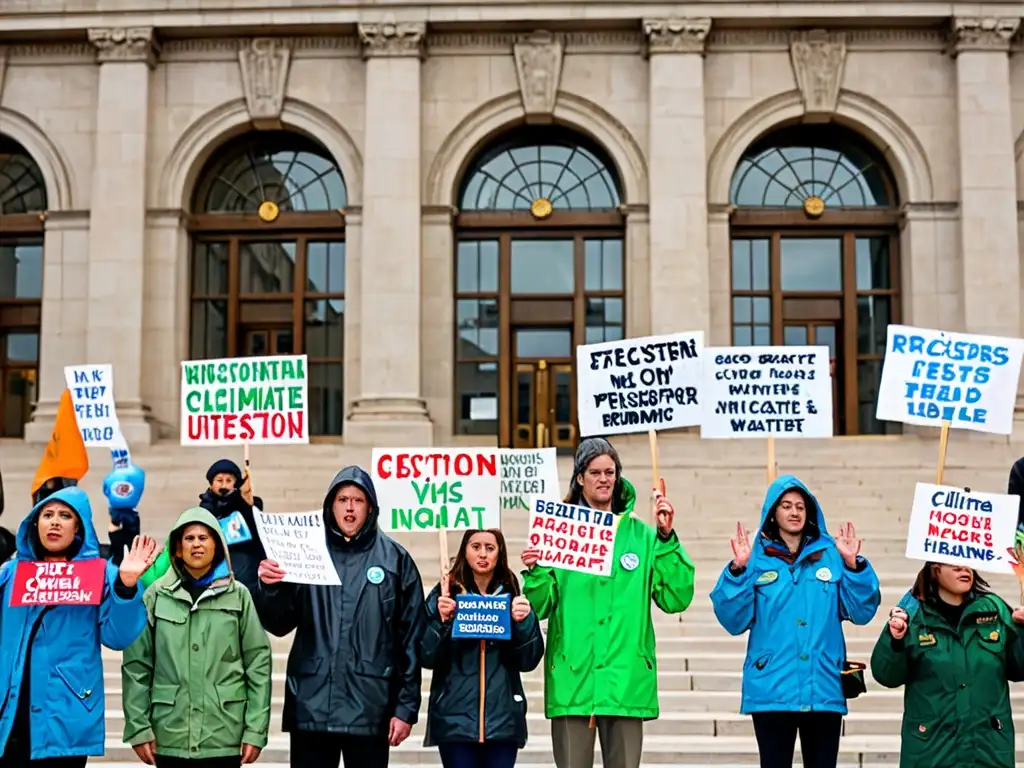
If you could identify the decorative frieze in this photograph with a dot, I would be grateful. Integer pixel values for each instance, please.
(538, 60)
(818, 59)
(125, 44)
(393, 38)
(982, 34)
(676, 35)
(265, 63)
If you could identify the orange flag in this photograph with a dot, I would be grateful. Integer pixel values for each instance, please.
(65, 453)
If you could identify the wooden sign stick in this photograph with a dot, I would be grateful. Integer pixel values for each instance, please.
(443, 544)
(652, 436)
(943, 445)
(483, 685)
(773, 468)
(245, 448)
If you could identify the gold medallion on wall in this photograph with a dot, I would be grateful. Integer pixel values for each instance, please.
(814, 206)
(268, 211)
(541, 208)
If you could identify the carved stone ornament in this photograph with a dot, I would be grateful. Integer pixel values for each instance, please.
(393, 38)
(982, 34)
(125, 44)
(676, 35)
(265, 63)
(538, 60)
(818, 60)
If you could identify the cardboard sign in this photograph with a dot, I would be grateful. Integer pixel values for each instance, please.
(92, 392)
(430, 489)
(527, 472)
(482, 617)
(957, 527)
(75, 582)
(255, 400)
(781, 392)
(637, 385)
(930, 377)
(299, 545)
(573, 538)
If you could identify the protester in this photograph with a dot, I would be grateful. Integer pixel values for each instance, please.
(954, 645)
(453, 719)
(50, 663)
(1015, 487)
(792, 588)
(601, 669)
(220, 687)
(354, 679)
(230, 499)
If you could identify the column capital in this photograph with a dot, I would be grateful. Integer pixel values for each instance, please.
(394, 39)
(676, 35)
(982, 34)
(126, 44)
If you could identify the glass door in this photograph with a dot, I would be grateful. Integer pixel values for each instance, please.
(815, 333)
(543, 389)
(257, 341)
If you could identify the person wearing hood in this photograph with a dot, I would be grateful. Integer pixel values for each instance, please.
(353, 688)
(207, 703)
(1015, 487)
(601, 672)
(791, 588)
(50, 663)
(229, 498)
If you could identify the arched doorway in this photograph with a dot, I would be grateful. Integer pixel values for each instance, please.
(539, 269)
(268, 261)
(815, 234)
(22, 207)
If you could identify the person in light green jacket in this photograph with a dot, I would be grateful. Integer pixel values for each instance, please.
(600, 670)
(196, 684)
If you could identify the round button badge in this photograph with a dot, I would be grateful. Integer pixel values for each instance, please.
(375, 574)
(629, 561)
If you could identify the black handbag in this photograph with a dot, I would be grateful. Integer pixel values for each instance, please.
(852, 677)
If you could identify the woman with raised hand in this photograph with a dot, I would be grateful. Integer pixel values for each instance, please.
(791, 587)
(453, 718)
(50, 660)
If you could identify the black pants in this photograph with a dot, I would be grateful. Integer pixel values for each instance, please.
(327, 750)
(819, 738)
(19, 761)
(490, 754)
(203, 762)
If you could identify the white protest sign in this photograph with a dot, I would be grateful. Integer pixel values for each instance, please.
(92, 393)
(637, 385)
(430, 489)
(766, 391)
(574, 538)
(958, 527)
(930, 377)
(298, 542)
(527, 472)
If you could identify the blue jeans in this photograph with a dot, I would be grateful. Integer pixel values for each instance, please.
(490, 754)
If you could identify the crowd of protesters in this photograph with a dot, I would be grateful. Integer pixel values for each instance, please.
(192, 621)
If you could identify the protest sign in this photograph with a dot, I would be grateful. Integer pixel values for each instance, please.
(762, 392)
(298, 542)
(572, 538)
(73, 582)
(958, 527)
(930, 377)
(527, 472)
(92, 393)
(482, 617)
(432, 489)
(257, 400)
(637, 385)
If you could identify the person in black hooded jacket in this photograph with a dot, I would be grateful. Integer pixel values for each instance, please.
(353, 680)
(230, 499)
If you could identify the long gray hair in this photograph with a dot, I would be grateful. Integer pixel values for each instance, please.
(589, 449)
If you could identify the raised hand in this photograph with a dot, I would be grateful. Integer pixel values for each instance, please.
(664, 513)
(520, 608)
(246, 490)
(530, 557)
(899, 622)
(445, 607)
(1018, 615)
(137, 559)
(740, 548)
(848, 544)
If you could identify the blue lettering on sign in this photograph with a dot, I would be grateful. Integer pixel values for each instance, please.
(235, 529)
(482, 617)
(948, 378)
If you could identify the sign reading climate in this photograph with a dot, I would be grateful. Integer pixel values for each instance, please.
(257, 400)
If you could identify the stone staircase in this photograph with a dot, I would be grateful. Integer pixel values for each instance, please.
(869, 481)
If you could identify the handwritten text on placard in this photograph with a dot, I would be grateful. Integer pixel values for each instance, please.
(482, 617)
(298, 543)
(527, 472)
(77, 582)
(572, 538)
(92, 392)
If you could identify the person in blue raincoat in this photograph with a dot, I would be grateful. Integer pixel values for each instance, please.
(50, 664)
(791, 588)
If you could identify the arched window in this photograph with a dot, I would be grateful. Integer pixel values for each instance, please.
(22, 208)
(539, 269)
(268, 261)
(815, 257)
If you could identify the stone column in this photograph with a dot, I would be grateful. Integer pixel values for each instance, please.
(677, 164)
(117, 229)
(390, 407)
(720, 285)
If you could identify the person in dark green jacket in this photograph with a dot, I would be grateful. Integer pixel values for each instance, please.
(600, 670)
(954, 646)
(196, 684)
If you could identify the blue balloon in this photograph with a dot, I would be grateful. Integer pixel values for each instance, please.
(123, 487)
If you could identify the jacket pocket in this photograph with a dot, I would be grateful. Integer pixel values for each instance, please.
(374, 682)
(168, 715)
(87, 693)
(232, 704)
(757, 663)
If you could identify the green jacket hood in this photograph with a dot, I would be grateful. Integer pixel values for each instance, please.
(222, 563)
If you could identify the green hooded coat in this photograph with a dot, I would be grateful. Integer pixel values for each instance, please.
(956, 698)
(600, 656)
(197, 681)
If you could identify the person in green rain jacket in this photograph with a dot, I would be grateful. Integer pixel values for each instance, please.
(600, 662)
(954, 646)
(196, 684)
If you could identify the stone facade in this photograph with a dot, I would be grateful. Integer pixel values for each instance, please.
(122, 122)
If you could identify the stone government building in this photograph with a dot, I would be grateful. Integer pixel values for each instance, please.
(436, 203)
